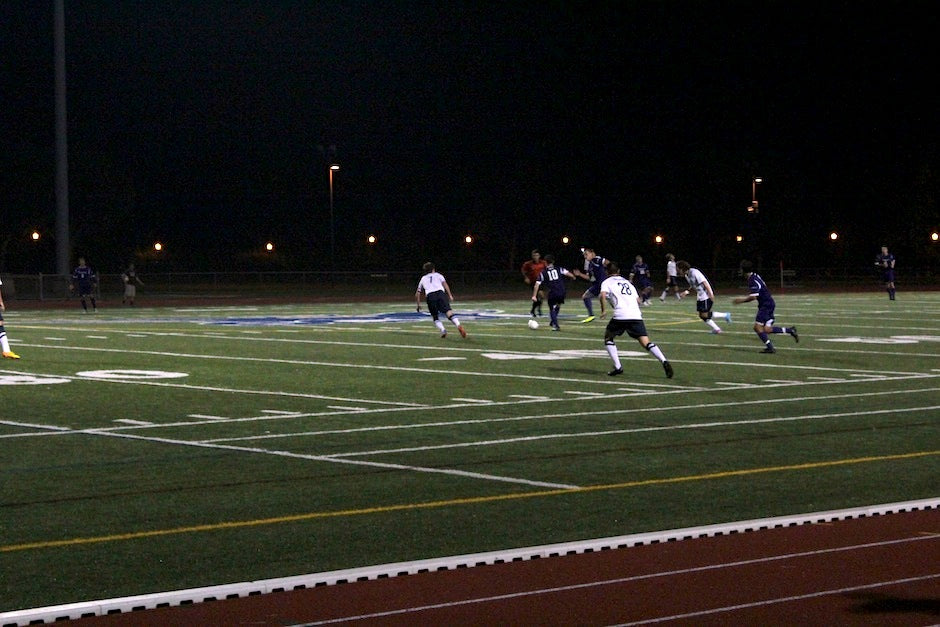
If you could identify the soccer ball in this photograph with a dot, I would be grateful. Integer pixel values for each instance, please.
(533, 324)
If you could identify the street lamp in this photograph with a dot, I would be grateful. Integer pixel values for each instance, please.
(334, 167)
(755, 181)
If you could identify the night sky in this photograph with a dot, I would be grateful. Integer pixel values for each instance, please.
(209, 126)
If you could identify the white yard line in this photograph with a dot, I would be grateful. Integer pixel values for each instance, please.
(330, 459)
(632, 430)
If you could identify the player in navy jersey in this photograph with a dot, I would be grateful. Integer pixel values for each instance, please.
(764, 321)
(595, 270)
(552, 280)
(885, 261)
(84, 280)
(640, 277)
(438, 296)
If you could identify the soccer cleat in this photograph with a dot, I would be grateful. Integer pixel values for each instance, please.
(443, 334)
(588, 319)
(555, 327)
(769, 350)
(668, 368)
(615, 372)
(462, 332)
(662, 299)
(10, 355)
(728, 317)
(795, 335)
(717, 331)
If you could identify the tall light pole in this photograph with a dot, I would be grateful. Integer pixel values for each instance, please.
(333, 168)
(755, 181)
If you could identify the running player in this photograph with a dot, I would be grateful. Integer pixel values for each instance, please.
(438, 296)
(553, 280)
(705, 295)
(626, 318)
(764, 322)
(595, 270)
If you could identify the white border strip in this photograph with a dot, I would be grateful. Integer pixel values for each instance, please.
(73, 611)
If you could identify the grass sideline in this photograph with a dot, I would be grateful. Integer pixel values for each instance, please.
(164, 448)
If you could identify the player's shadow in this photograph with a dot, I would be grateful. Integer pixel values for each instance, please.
(886, 604)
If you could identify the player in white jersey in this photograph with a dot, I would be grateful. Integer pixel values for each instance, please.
(626, 318)
(438, 296)
(4, 342)
(672, 279)
(705, 295)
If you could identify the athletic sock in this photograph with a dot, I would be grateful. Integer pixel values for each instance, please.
(658, 354)
(614, 357)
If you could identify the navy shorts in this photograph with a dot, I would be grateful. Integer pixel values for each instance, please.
(634, 328)
(704, 306)
(438, 304)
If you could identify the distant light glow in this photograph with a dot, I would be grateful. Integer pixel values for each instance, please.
(658, 239)
(269, 247)
(739, 238)
(158, 246)
(371, 239)
(565, 240)
(833, 236)
(468, 239)
(35, 236)
(934, 236)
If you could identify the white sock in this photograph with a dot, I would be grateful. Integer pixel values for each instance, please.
(712, 324)
(455, 321)
(612, 351)
(439, 325)
(658, 354)
(5, 343)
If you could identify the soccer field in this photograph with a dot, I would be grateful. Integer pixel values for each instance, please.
(156, 449)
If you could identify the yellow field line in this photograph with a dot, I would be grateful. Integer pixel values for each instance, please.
(451, 502)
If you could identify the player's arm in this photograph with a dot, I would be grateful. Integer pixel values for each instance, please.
(447, 291)
(740, 300)
(535, 289)
(418, 297)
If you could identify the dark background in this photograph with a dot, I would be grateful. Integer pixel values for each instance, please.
(209, 126)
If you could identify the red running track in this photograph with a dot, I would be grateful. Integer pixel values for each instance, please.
(876, 570)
